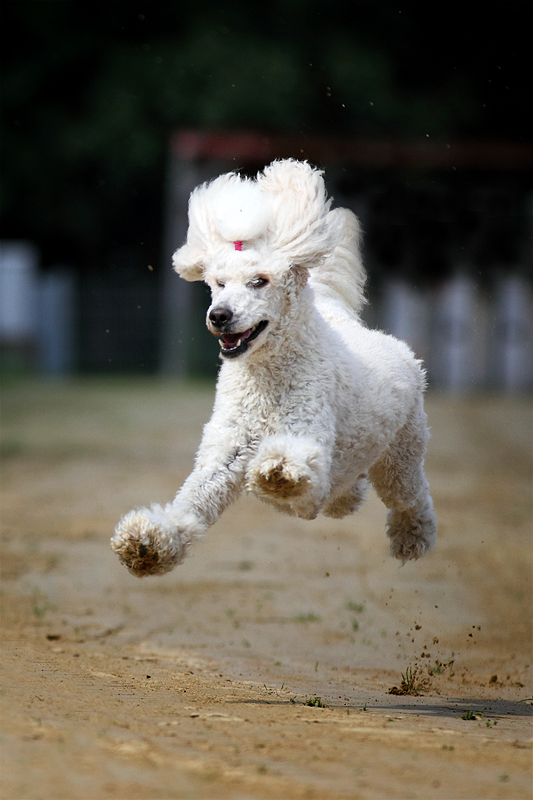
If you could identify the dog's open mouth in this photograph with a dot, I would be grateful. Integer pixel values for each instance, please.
(234, 344)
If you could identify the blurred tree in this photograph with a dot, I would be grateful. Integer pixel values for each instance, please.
(91, 91)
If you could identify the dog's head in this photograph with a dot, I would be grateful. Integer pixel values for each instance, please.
(253, 242)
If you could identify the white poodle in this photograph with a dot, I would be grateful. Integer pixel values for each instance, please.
(310, 405)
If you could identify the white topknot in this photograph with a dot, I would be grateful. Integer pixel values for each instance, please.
(240, 210)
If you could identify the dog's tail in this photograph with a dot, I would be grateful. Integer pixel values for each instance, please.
(342, 275)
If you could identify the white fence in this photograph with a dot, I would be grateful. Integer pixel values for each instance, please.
(37, 312)
(469, 338)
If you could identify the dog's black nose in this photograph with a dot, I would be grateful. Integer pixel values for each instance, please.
(220, 316)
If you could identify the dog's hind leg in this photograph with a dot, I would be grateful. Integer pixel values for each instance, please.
(400, 482)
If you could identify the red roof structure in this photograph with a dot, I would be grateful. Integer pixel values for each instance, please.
(249, 147)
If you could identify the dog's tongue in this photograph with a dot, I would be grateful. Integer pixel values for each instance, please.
(231, 339)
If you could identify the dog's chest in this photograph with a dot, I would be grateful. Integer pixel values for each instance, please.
(267, 413)
(273, 405)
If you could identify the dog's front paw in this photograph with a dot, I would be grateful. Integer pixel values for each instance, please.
(278, 478)
(290, 473)
(148, 542)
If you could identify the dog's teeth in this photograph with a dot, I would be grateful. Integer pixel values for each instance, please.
(239, 343)
(221, 343)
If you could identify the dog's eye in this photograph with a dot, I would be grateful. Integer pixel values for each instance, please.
(220, 284)
(257, 283)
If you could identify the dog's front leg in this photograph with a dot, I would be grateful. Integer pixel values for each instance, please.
(152, 541)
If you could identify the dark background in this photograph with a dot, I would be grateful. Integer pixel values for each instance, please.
(91, 92)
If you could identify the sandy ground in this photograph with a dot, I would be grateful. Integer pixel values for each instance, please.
(262, 667)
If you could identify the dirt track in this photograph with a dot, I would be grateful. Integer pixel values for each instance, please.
(260, 668)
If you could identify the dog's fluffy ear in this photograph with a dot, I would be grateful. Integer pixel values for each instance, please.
(191, 259)
(298, 197)
(343, 274)
(188, 262)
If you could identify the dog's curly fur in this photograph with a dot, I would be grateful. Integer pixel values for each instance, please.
(311, 405)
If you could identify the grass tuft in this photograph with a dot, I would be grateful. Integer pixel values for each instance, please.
(413, 682)
(316, 702)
